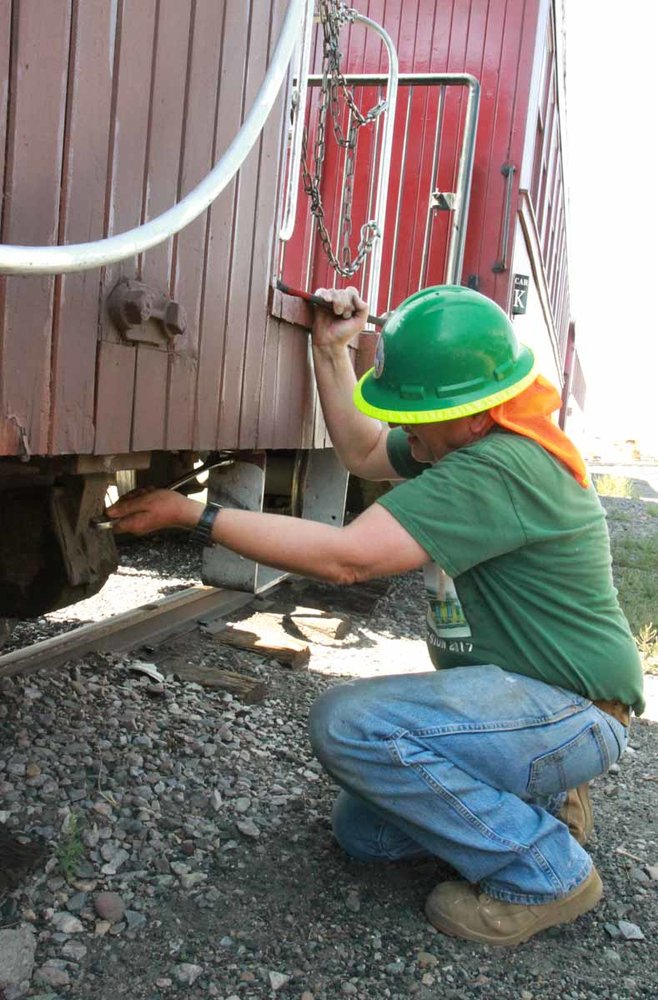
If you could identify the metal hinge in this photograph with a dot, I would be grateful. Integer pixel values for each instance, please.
(443, 201)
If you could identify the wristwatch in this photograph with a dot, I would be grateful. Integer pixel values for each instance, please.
(203, 531)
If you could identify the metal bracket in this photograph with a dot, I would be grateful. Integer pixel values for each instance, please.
(443, 201)
(319, 488)
(131, 305)
(240, 485)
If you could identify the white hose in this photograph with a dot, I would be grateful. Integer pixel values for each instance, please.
(86, 256)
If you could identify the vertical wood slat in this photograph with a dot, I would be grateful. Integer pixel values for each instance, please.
(123, 210)
(37, 104)
(211, 398)
(149, 412)
(114, 397)
(129, 129)
(9, 441)
(255, 372)
(164, 150)
(83, 190)
(5, 59)
(241, 261)
(271, 390)
(190, 244)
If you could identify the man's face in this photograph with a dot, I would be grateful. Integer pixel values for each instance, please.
(431, 442)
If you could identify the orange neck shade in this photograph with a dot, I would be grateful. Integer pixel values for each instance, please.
(529, 414)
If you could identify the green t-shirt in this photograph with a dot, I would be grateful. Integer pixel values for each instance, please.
(528, 552)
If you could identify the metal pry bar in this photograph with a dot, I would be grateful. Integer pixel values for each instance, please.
(104, 523)
(317, 300)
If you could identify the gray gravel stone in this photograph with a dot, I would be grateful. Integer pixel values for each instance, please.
(17, 949)
(187, 973)
(109, 906)
(288, 901)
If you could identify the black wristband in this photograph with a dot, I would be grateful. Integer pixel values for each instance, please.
(203, 531)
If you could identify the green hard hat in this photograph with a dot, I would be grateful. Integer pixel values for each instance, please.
(445, 352)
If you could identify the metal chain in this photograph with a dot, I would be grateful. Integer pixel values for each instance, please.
(333, 15)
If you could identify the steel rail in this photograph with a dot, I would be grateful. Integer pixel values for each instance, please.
(150, 623)
(67, 258)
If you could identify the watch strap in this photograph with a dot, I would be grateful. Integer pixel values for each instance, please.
(202, 533)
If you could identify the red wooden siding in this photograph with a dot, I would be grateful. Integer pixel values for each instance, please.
(36, 105)
(112, 110)
(493, 40)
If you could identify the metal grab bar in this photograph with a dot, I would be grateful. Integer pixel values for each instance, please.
(86, 256)
(384, 157)
(507, 170)
(295, 160)
(391, 81)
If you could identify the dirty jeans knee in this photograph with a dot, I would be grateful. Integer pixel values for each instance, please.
(329, 725)
(467, 763)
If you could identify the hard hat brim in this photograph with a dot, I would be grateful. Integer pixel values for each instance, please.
(377, 401)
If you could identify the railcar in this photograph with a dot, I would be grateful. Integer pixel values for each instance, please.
(391, 146)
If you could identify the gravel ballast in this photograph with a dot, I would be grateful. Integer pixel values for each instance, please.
(188, 850)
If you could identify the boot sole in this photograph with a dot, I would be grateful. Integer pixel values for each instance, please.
(563, 911)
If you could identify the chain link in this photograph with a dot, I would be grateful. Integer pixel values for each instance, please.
(333, 15)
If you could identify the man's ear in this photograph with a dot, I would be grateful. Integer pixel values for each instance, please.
(481, 423)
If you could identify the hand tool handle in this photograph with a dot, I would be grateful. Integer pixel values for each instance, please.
(317, 300)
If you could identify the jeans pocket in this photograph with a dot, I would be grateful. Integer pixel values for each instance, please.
(579, 759)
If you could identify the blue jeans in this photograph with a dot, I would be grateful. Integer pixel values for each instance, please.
(465, 765)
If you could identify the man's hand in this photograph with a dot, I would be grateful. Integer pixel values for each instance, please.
(143, 511)
(350, 314)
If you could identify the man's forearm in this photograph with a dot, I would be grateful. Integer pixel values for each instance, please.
(291, 544)
(354, 435)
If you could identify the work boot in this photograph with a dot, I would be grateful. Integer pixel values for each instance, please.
(459, 909)
(576, 813)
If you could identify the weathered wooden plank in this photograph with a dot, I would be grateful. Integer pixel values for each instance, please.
(37, 100)
(190, 244)
(255, 374)
(163, 155)
(235, 351)
(149, 405)
(318, 625)
(9, 437)
(133, 57)
(152, 623)
(84, 181)
(114, 400)
(5, 58)
(267, 641)
(290, 404)
(166, 130)
(210, 398)
(129, 129)
(248, 690)
(271, 389)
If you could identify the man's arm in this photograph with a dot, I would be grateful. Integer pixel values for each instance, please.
(373, 545)
(359, 440)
